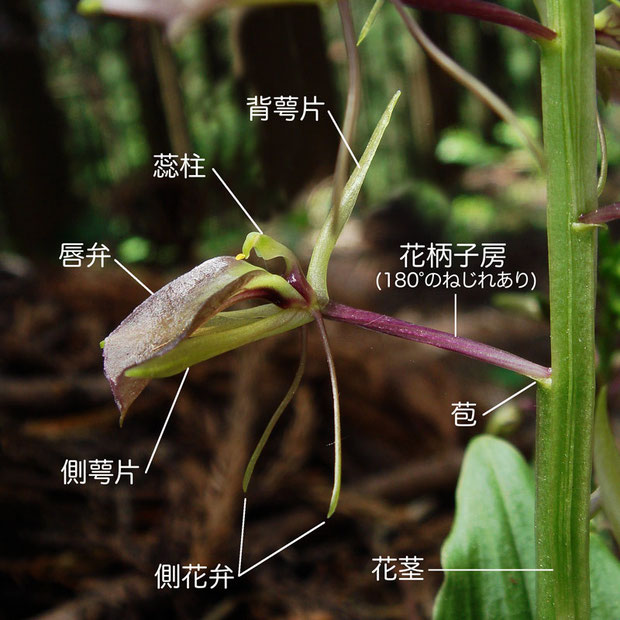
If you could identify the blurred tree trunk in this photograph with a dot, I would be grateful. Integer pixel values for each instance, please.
(283, 53)
(144, 75)
(171, 92)
(37, 197)
(166, 211)
(446, 93)
(216, 55)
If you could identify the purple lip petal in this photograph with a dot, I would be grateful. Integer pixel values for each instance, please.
(486, 11)
(172, 314)
(442, 340)
(603, 215)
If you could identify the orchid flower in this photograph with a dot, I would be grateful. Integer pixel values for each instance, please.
(190, 319)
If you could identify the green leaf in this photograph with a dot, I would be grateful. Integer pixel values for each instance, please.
(370, 20)
(339, 216)
(607, 464)
(175, 312)
(493, 528)
(604, 581)
(459, 145)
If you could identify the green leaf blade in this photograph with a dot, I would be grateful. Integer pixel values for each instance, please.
(604, 581)
(607, 465)
(493, 528)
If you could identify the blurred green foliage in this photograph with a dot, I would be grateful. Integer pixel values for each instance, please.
(445, 152)
(89, 66)
(463, 173)
(460, 145)
(609, 302)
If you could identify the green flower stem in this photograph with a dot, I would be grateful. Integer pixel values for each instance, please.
(566, 406)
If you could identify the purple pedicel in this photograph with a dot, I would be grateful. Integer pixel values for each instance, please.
(486, 11)
(601, 216)
(442, 340)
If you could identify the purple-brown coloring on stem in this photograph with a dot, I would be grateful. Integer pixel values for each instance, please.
(297, 280)
(601, 216)
(488, 12)
(442, 340)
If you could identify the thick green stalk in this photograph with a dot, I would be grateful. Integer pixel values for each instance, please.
(566, 405)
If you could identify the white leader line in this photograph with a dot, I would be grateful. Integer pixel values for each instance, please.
(527, 387)
(491, 570)
(174, 402)
(455, 315)
(240, 573)
(344, 139)
(134, 277)
(217, 174)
